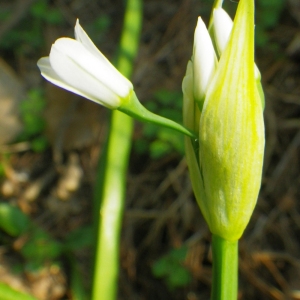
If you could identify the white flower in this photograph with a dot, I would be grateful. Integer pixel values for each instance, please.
(79, 67)
(204, 61)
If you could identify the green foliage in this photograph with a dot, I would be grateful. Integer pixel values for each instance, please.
(31, 110)
(2, 170)
(161, 141)
(43, 11)
(171, 268)
(12, 220)
(101, 23)
(28, 35)
(23, 39)
(268, 13)
(8, 293)
(98, 27)
(4, 15)
(80, 238)
(39, 248)
(267, 16)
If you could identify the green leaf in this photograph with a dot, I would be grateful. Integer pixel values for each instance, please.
(179, 277)
(40, 247)
(8, 293)
(54, 17)
(39, 144)
(170, 268)
(101, 23)
(159, 148)
(12, 220)
(161, 267)
(39, 9)
(79, 238)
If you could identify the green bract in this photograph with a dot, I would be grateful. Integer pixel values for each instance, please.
(226, 166)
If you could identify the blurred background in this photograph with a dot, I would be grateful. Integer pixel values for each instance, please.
(50, 141)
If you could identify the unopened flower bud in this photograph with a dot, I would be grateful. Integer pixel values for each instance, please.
(226, 166)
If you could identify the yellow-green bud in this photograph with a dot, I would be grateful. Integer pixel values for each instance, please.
(226, 168)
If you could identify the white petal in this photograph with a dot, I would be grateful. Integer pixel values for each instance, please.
(82, 37)
(49, 74)
(204, 61)
(77, 81)
(106, 74)
(222, 28)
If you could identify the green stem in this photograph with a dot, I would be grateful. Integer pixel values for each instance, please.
(135, 109)
(111, 210)
(76, 280)
(8, 293)
(110, 189)
(225, 269)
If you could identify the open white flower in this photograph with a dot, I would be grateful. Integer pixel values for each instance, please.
(79, 67)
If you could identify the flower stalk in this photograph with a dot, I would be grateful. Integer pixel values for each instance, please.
(225, 269)
(111, 178)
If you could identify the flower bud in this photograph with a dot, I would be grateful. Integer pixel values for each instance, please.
(204, 62)
(222, 26)
(226, 166)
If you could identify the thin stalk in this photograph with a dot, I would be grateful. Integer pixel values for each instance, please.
(8, 293)
(76, 281)
(225, 269)
(135, 109)
(110, 189)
